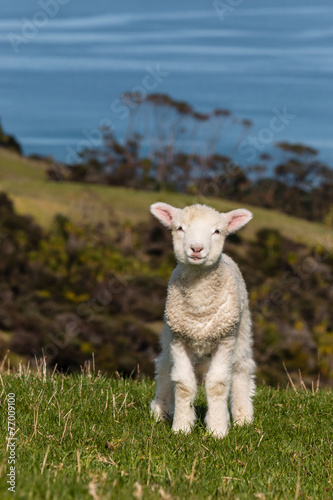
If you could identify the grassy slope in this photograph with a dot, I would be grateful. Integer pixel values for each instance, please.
(24, 180)
(88, 437)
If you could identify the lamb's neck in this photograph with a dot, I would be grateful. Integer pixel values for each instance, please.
(192, 273)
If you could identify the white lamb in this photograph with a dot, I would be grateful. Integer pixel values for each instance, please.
(207, 322)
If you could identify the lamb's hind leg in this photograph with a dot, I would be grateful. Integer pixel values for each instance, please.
(162, 405)
(243, 385)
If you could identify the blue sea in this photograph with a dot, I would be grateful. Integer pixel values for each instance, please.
(64, 64)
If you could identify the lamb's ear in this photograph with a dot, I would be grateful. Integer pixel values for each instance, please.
(237, 219)
(164, 213)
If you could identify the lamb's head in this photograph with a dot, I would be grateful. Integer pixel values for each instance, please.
(199, 231)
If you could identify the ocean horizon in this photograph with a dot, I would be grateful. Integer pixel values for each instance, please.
(64, 65)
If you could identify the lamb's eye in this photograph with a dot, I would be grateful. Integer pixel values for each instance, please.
(180, 228)
(217, 231)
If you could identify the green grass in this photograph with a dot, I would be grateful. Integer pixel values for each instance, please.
(25, 181)
(85, 436)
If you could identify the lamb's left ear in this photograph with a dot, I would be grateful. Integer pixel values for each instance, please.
(164, 213)
(237, 219)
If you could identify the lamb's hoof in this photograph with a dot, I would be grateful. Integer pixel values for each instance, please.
(242, 417)
(218, 432)
(183, 427)
(158, 411)
(217, 429)
(183, 424)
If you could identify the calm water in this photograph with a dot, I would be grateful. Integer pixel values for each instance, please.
(62, 72)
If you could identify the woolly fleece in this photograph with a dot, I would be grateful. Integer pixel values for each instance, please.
(207, 323)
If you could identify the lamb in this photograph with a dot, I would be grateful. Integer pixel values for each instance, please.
(207, 323)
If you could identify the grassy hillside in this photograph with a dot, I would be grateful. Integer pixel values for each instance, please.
(85, 436)
(25, 181)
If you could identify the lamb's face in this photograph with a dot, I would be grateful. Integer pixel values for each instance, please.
(198, 235)
(199, 231)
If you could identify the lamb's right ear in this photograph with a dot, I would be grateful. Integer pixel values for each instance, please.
(164, 213)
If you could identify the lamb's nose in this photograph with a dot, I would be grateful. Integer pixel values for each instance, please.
(196, 249)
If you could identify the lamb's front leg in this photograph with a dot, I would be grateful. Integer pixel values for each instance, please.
(217, 385)
(185, 386)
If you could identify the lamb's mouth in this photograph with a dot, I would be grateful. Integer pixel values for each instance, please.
(196, 258)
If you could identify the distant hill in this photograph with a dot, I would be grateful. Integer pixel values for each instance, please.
(24, 180)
